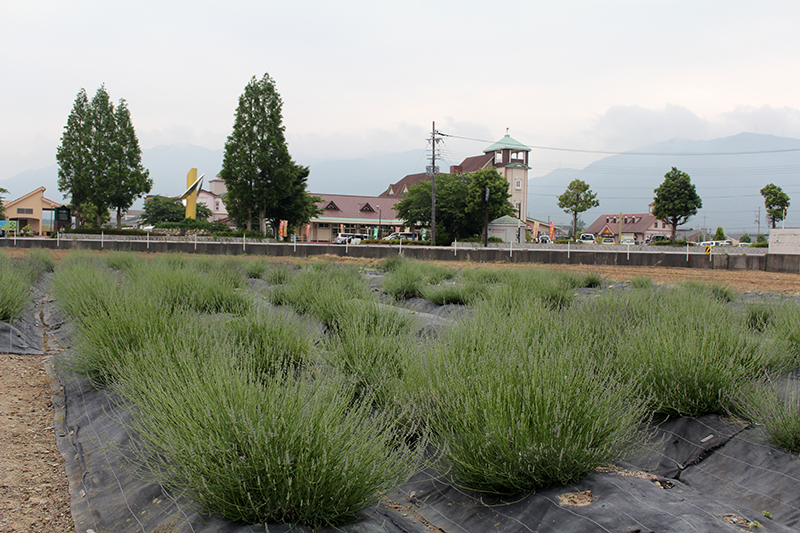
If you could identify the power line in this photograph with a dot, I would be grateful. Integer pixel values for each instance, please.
(605, 152)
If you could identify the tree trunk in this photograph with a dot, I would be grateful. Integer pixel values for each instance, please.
(119, 218)
(674, 228)
(249, 219)
(574, 225)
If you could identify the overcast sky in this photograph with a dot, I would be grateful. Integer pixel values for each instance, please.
(359, 77)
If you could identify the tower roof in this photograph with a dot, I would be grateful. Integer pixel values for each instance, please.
(507, 143)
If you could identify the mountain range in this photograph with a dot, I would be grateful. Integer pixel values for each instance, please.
(727, 172)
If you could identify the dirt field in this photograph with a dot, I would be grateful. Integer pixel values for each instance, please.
(34, 488)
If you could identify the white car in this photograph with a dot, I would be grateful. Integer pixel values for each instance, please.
(587, 238)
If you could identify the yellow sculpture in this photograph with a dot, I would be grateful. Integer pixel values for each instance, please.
(193, 185)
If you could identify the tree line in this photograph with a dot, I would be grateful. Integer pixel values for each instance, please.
(675, 202)
(99, 159)
(100, 164)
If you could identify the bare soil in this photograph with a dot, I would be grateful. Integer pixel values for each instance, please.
(34, 493)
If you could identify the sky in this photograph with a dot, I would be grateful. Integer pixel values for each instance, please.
(359, 77)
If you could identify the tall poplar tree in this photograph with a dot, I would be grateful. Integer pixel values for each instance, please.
(263, 182)
(129, 180)
(74, 155)
(99, 158)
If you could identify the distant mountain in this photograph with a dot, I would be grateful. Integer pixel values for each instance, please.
(168, 165)
(365, 176)
(729, 185)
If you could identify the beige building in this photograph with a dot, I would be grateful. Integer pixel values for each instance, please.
(32, 210)
(507, 156)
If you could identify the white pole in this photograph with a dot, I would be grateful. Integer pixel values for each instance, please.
(148, 240)
(511, 249)
(15, 236)
(400, 248)
(687, 252)
(195, 241)
(58, 239)
(455, 247)
(244, 241)
(101, 239)
(629, 251)
(294, 239)
(568, 244)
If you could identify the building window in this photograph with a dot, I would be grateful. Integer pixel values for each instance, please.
(24, 210)
(518, 184)
(498, 157)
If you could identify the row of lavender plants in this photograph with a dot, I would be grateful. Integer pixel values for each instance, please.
(276, 392)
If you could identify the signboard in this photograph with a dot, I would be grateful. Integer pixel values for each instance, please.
(63, 214)
(708, 250)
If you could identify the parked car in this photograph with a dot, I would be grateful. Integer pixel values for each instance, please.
(398, 235)
(657, 239)
(587, 238)
(628, 241)
(356, 238)
(544, 239)
(607, 240)
(744, 244)
(342, 238)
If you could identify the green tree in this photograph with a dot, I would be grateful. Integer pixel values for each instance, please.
(577, 199)
(459, 203)
(719, 235)
(761, 238)
(676, 200)
(74, 156)
(170, 209)
(163, 209)
(2, 209)
(745, 238)
(99, 157)
(128, 179)
(776, 201)
(262, 180)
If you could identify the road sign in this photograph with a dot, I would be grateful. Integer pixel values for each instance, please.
(708, 250)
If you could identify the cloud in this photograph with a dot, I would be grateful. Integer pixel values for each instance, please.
(627, 127)
(782, 122)
(624, 127)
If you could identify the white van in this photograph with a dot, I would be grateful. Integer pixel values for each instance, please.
(343, 238)
(397, 235)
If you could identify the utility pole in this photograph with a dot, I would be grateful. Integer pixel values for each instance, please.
(432, 171)
(758, 220)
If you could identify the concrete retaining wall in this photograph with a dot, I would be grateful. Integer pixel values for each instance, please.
(558, 254)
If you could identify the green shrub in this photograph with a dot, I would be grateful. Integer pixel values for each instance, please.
(320, 290)
(690, 352)
(273, 339)
(206, 285)
(288, 448)
(409, 277)
(14, 290)
(775, 405)
(370, 346)
(516, 408)
(641, 282)
(123, 261)
(84, 287)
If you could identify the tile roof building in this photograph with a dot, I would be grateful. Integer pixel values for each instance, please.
(508, 156)
(640, 226)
